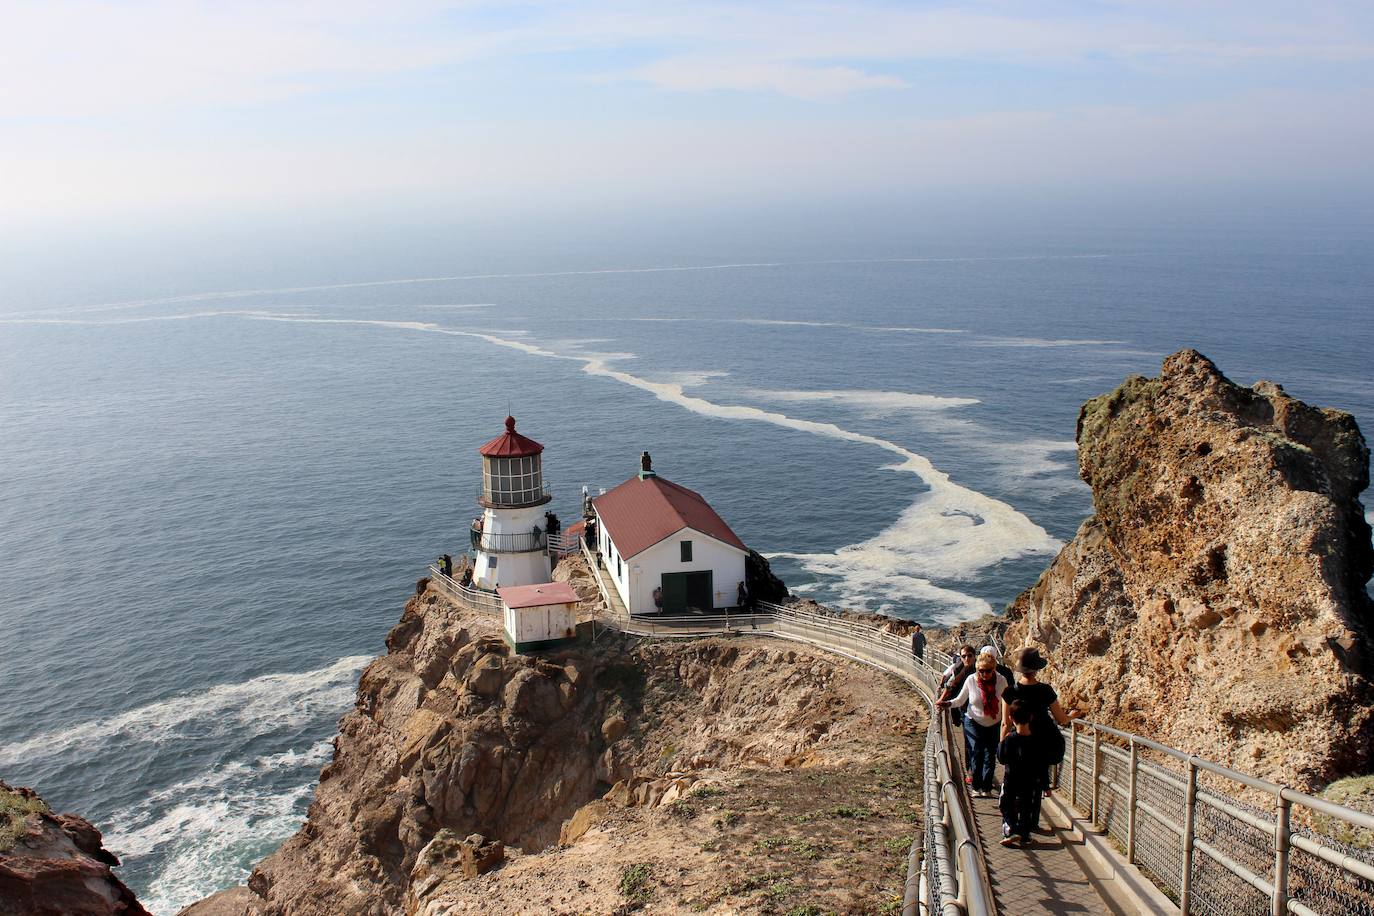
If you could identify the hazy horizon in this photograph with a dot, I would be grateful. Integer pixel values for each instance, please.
(179, 124)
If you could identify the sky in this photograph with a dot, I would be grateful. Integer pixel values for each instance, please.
(134, 112)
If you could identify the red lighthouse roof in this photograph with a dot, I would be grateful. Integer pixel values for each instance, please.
(510, 444)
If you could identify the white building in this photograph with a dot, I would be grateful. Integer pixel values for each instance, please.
(539, 616)
(509, 539)
(655, 534)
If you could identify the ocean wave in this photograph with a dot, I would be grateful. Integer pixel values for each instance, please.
(259, 705)
(204, 833)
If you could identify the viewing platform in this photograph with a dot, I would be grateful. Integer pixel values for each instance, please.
(507, 543)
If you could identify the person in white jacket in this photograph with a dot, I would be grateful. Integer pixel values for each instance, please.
(982, 694)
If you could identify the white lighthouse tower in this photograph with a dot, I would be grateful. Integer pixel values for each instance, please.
(510, 538)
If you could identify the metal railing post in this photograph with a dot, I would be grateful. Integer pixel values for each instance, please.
(1097, 769)
(1130, 805)
(1073, 762)
(1189, 816)
(1281, 840)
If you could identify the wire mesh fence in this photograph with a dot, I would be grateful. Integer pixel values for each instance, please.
(1223, 853)
(1192, 827)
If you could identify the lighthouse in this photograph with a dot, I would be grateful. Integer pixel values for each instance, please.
(510, 538)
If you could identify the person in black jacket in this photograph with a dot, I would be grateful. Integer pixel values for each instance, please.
(1022, 756)
(952, 683)
(918, 643)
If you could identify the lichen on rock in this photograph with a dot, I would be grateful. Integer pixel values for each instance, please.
(55, 864)
(1216, 599)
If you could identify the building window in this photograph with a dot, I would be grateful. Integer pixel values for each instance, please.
(686, 551)
(491, 561)
(618, 574)
(512, 481)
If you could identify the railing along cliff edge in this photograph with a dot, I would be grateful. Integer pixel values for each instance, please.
(1190, 825)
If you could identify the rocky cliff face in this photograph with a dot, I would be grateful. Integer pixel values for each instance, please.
(55, 864)
(1216, 599)
(469, 779)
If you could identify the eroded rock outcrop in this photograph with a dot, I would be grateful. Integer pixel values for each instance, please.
(55, 864)
(464, 763)
(1216, 599)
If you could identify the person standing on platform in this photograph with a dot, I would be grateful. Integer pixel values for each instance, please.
(918, 643)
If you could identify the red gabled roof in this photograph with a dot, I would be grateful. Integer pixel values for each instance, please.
(517, 596)
(641, 512)
(510, 444)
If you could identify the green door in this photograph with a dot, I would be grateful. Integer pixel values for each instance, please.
(674, 593)
(699, 591)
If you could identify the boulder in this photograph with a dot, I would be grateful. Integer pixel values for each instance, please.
(1216, 598)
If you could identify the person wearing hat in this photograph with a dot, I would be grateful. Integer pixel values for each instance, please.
(1045, 710)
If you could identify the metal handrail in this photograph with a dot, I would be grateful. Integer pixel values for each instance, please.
(466, 596)
(522, 542)
(1217, 840)
(1275, 865)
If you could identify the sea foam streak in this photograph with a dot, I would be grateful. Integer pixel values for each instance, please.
(261, 704)
(950, 532)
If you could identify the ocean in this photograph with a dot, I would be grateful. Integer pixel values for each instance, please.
(215, 503)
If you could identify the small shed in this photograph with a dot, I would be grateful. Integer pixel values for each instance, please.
(539, 616)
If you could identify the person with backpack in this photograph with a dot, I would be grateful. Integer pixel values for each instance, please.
(1047, 715)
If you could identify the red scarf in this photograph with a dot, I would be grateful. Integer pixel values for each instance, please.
(991, 705)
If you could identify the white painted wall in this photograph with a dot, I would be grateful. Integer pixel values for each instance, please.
(610, 553)
(641, 574)
(540, 623)
(529, 568)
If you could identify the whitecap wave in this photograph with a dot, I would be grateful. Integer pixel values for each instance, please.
(205, 831)
(259, 705)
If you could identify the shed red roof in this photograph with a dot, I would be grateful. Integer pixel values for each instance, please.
(643, 511)
(517, 596)
(510, 444)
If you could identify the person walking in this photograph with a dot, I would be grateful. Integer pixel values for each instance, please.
(951, 683)
(982, 694)
(446, 565)
(918, 643)
(1022, 758)
(1047, 715)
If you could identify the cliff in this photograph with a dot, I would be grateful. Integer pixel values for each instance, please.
(55, 864)
(717, 774)
(1216, 599)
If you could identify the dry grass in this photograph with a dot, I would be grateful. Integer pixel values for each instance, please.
(15, 809)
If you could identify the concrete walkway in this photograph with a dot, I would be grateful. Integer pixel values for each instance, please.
(1047, 877)
(1056, 875)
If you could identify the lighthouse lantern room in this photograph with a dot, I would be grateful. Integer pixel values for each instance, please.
(510, 537)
